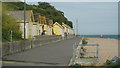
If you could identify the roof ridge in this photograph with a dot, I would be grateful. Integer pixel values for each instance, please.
(58, 24)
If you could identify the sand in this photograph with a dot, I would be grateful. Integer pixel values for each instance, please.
(108, 48)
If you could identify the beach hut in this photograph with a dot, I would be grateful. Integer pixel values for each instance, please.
(57, 29)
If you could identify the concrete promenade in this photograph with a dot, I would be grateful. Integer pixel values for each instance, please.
(53, 54)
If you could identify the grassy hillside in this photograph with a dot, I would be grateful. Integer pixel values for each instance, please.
(44, 8)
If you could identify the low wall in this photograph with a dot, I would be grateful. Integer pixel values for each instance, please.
(19, 46)
(41, 40)
(70, 36)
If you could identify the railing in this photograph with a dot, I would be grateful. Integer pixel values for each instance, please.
(97, 49)
(76, 54)
(88, 59)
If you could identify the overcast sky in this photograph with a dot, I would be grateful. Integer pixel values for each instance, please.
(93, 17)
(72, 0)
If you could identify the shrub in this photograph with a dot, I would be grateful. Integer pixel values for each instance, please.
(84, 41)
(75, 66)
(9, 24)
(109, 63)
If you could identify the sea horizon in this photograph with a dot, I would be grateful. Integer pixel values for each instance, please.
(102, 36)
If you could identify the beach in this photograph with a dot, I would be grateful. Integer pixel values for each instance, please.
(108, 48)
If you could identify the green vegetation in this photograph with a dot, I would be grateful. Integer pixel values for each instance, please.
(84, 41)
(84, 50)
(44, 8)
(88, 57)
(76, 66)
(9, 24)
(93, 64)
(109, 63)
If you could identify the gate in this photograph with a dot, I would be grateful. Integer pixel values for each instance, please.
(80, 59)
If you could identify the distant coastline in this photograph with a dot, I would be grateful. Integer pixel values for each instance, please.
(103, 36)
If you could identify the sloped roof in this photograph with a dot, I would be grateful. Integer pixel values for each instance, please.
(36, 17)
(65, 25)
(19, 15)
(56, 23)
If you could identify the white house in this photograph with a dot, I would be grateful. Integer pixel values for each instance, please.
(29, 19)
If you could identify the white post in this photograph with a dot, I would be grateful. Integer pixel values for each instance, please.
(97, 51)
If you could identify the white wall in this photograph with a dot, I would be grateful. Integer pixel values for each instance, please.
(34, 30)
(40, 28)
(28, 30)
(49, 30)
(22, 29)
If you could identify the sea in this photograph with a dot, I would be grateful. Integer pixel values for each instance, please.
(102, 36)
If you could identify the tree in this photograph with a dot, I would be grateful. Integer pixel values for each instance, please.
(44, 9)
(9, 24)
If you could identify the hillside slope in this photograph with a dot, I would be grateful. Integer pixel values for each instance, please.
(44, 8)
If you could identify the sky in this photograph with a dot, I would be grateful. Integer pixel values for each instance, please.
(70, 0)
(93, 17)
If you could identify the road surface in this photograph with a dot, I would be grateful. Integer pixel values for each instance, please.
(53, 54)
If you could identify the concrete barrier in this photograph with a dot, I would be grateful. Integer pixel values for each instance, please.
(19, 46)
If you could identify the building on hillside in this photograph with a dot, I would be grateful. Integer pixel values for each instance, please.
(45, 24)
(42, 20)
(50, 23)
(39, 26)
(57, 29)
(37, 18)
(35, 29)
(71, 31)
(48, 26)
(29, 19)
(67, 29)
